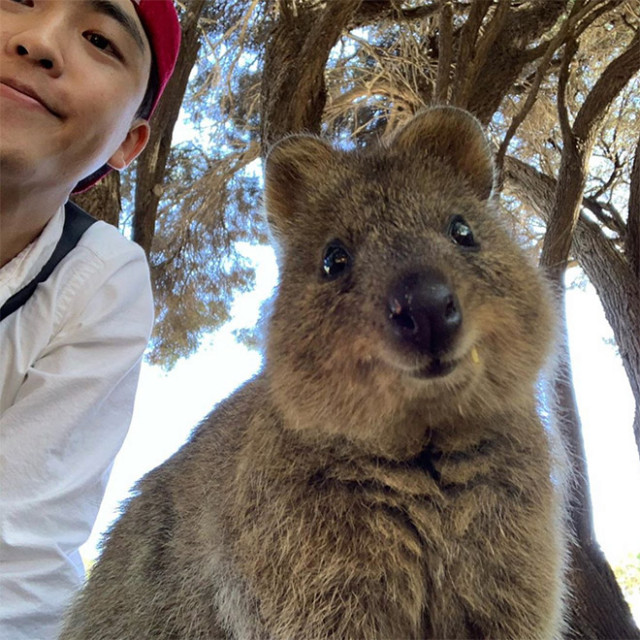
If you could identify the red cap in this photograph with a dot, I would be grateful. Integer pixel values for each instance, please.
(161, 23)
(162, 26)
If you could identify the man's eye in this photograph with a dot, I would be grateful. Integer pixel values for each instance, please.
(26, 3)
(100, 42)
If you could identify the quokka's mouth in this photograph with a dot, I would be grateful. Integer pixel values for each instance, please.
(436, 369)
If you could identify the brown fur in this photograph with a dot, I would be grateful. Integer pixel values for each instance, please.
(339, 493)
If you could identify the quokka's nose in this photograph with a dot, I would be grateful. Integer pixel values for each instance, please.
(424, 312)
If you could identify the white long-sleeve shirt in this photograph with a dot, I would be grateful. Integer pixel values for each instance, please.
(69, 365)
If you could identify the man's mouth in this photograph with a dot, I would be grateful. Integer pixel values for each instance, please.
(28, 94)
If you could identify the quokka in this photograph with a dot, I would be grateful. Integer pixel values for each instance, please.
(386, 475)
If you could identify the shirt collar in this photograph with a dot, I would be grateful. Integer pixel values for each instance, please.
(27, 264)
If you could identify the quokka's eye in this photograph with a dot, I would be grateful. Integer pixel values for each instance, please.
(461, 233)
(336, 261)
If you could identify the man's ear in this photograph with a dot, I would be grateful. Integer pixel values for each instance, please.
(131, 146)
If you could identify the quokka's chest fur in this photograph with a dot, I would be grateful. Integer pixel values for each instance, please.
(440, 545)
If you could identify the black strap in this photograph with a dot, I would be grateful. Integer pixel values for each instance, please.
(76, 222)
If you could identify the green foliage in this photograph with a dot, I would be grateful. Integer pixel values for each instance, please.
(211, 194)
(628, 575)
(195, 267)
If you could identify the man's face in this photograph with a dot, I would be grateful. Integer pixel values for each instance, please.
(72, 75)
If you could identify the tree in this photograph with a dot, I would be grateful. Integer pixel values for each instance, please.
(628, 575)
(555, 81)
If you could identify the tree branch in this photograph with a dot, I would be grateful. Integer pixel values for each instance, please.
(293, 86)
(607, 87)
(570, 49)
(632, 243)
(152, 162)
(326, 30)
(466, 44)
(446, 53)
(578, 145)
(537, 19)
(373, 11)
(531, 96)
(608, 183)
(598, 210)
(483, 47)
(594, 10)
(509, 54)
(608, 269)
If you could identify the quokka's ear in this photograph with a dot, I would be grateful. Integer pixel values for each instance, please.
(453, 136)
(293, 166)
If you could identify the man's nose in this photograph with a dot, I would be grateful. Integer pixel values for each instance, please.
(41, 46)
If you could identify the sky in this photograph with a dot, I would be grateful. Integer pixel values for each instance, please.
(170, 405)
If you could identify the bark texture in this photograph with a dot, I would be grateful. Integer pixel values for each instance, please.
(152, 163)
(102, 201)
(598, 609)
(610, 271)
(594, 617)
(296, 54)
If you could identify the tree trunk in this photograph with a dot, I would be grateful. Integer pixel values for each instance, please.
(594, 617)
(102, 200)
(632, 252)
(608, 270)
(611, 617)
(296, 54)
(501, 54)
(597, 608)
(618, 288)
(152, 162)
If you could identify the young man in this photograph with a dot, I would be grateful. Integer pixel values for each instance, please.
(78, 82)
